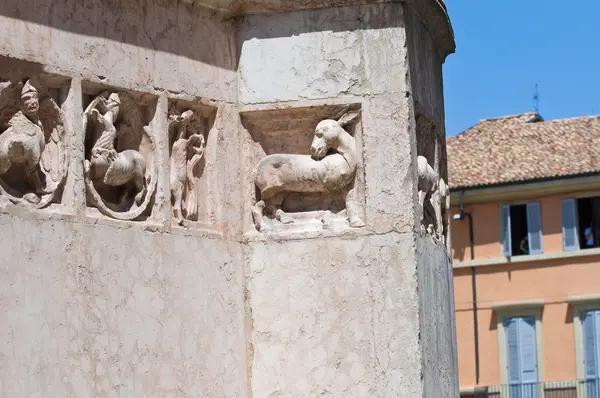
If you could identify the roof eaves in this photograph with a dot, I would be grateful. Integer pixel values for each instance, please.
(522, 182)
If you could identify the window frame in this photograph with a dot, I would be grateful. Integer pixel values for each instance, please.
(580, 305)
(532, 309)
(520, 203)
(577, 196)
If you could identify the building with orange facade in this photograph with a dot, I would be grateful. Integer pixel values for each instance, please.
(526, 251)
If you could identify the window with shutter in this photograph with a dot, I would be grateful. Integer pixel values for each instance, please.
(587, 222)
(505, 237)
(521, 357)
(534, 228)
(569, 224)
(591, 346)
(521, 229)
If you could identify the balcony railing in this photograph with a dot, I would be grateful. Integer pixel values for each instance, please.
(556, 389)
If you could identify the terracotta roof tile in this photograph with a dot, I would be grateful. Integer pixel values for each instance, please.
(523, 147)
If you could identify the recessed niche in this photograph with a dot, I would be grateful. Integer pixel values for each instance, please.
(34, 147)
(292, 131)
(431, 145)
(120, 158)
(192, 163)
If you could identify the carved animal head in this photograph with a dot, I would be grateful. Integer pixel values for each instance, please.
(109, 102)
(99, 162)
(100, 155)
(328, 134)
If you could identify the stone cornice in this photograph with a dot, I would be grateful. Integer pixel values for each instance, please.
(433, 13)
(528, 258)
(517, 305)
(527, 190)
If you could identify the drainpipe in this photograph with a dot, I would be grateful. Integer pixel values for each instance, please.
(461, 216)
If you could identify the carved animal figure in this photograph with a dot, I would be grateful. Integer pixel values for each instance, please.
(107, 165)
(331, 167)
(182, 178)
(433, 188)
(24, 141)
(444, 197)
(191, 179)
(32, 134)
(120, 168)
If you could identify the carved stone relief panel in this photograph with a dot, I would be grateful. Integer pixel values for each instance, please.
(120, 168)
(192, 161)
(34, 158)
(434, 194)
(308, 167)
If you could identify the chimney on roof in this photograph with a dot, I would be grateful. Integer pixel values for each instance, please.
(535, 118)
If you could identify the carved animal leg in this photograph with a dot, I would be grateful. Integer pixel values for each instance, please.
(124, 192)
(430, 230)
(326, 219)
(177, 192)
(275, 207)
(437, 206)
(283, 217)
(4, 164)
(33, 177)
(443, 222)
(140, 188)
(422, 195)
(446, 215)
(352, 208)
(257, 214)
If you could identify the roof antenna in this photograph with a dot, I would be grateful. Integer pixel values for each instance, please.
(536, 100)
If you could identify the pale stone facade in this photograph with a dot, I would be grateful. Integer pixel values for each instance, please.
(223, 199)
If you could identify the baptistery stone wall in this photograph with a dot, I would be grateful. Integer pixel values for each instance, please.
(215, 199)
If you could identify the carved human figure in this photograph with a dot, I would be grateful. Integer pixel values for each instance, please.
(33, 138)
(433, 188)
(186, 153)
(331, 167)
(107, 166)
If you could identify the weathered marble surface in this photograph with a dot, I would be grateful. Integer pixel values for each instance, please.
(337, 317)
(329, 53)
(437, 323)
(133, 44)
(91, 310)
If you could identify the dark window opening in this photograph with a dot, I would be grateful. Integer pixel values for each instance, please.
(521, 229)
(518, 230)
(588, 221)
